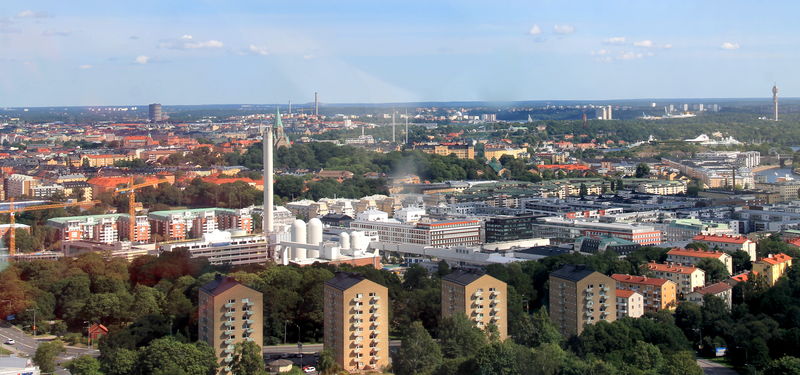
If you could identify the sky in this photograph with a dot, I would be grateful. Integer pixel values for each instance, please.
(92, 52)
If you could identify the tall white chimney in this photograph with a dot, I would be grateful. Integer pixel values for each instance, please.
(269, 190)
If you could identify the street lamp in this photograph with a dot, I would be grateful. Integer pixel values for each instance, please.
(285, 322)
(34, 321)
(299, 346)
(88, 333)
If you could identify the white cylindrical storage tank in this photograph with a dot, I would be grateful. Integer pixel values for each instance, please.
(356, 240)
(314, 231)
(299, 236)
(344, 240)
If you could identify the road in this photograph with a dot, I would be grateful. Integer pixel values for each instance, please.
(25, 346)
(713, 368)
(307, 348)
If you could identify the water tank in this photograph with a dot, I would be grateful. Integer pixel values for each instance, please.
(299, 236)
(344, 240)
(314, 231)
(357, 240)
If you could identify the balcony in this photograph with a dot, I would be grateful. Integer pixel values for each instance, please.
(228, 332)
(249, 330)
(249, 339)
(376, 314)
(229, 305)
(357, 299)
(248, 312)
(228, 323)
(375, 339)
(229, 314)
(495, 293)
(229, 349)
(477, 293)
(376, 298)
(376, 357)
(228, 341)
(228, 359)
(247, 302)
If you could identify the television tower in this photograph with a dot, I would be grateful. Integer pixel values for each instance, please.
(775, 101)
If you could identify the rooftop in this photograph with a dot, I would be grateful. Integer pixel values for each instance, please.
(631, 279)
(671, 268)
(721, 238)
(776, 258)
(624, 293)
(462, 277)
(572, 272)
(219, 285)
(696, 253)
(345, 280)
(714, 288)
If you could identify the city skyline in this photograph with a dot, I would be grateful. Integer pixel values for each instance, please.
(212, 52)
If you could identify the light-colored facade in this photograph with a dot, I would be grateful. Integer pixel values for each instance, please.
(687, 278)
(659, 294)
(446, 233)
(176, 225)
(229, 313)
(221, 247)
(18, 185)
(691, 257)
(580, 296)
(100, 228)
(356, 322)
(772, 267)
(629, 304)
(481, 298)
(662, 187)
(728, 243)
(721, 290)
(307, 209)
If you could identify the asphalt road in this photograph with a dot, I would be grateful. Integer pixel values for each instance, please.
(25, 346)
(712, 368)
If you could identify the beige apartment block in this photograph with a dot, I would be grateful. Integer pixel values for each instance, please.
(229, 313)
(356, 322)
(580, 296)
(480, 297)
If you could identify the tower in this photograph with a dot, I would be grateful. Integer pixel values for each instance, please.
(406, 142)
(775, 101)
(154, 112)
(268, 145)
(316, 104)
(281, 140)
(393, 126)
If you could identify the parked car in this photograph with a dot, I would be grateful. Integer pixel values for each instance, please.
(10, 342)
(309, 369)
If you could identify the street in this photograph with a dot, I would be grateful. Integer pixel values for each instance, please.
(25, 346)
(713, 368)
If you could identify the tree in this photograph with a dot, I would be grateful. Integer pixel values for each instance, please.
(642, 170)
(783, 366)
(681, 363)
(715, 270)
(248, 359)
(443, 268)
(459, 337)
(549, 358)
(689, 318)
(46, 353)
(418, 353)
(84, 365)
(741, 261)
(532, 331)
(118, 361)
(327, 363)
(504, 358)
(169, 353)
(583, 191)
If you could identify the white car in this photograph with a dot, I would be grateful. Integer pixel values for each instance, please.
(10, 342)
(309, 369)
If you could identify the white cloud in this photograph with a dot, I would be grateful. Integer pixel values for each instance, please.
(667, 46)
(256, 50)
(563, 29)
(32, 14)
(600, 52)
(535, 30)
(309, 57)
(187, 41)
(730, 46)
(615, 40)
(86, 66)
(142, 59)
(644, 43)
(631, 55)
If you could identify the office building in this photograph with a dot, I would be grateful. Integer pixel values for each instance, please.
(659, 294)
(154, 113)
(356, 322)
(689, 257)
(479, 297)
(224, 247)
(629, 304)
(229, 313)
(579, 296)
(509, 228)
(772, 267)
(687, 278)
(445, 233)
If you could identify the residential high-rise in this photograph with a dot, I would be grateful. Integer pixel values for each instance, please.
(154, 112)
(482, 298)
(356, 322)
(775, 101)
(659, 294)
(579, 296)
(229, 313)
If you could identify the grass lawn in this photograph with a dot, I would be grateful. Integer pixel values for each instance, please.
(4, 351)
(721, 361)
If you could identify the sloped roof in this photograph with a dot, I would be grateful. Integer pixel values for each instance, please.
(463, 277)
(572, 272)
(345, 280)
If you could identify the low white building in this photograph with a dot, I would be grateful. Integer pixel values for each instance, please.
(629, 304)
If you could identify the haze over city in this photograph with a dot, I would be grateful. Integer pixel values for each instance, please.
(218, 52)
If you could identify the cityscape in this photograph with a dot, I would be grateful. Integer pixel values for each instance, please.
(383, 225)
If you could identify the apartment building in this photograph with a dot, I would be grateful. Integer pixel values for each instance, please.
(480, 297)
(229, 313)
(659, 294)
(728, 243)
(629, 304)
(691, 257)
(46, 190)
(721, 290)
(773, 267)
(223, 247)
(460, 150)
(356, 322)
(662, 187)
(175, 225)
(18, 185)
(307, 209)
(446, 233)
(579, 296)
(565, 228)
(100, 228)
(687, 278)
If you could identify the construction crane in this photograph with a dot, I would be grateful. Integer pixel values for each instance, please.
(131, 190)
(12, 236)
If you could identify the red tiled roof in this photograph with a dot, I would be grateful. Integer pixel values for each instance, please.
(721, 238)
(742, 277)
(714, 288)
(624, 293)
(776, 259)
(638, 279)
(671, 268)
(696, 253)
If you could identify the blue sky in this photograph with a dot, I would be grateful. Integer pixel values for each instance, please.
(83, 52)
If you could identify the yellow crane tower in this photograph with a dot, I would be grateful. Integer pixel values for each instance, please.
(12, 244)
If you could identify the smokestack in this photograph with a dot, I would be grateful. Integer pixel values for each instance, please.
(393, 127)
(406, 126)
(316, 104)
(290, 108)
(269, 189)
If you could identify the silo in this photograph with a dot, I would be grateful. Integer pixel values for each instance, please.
(299, 236)
(356, 240)
(314, 236)
(344, 240)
